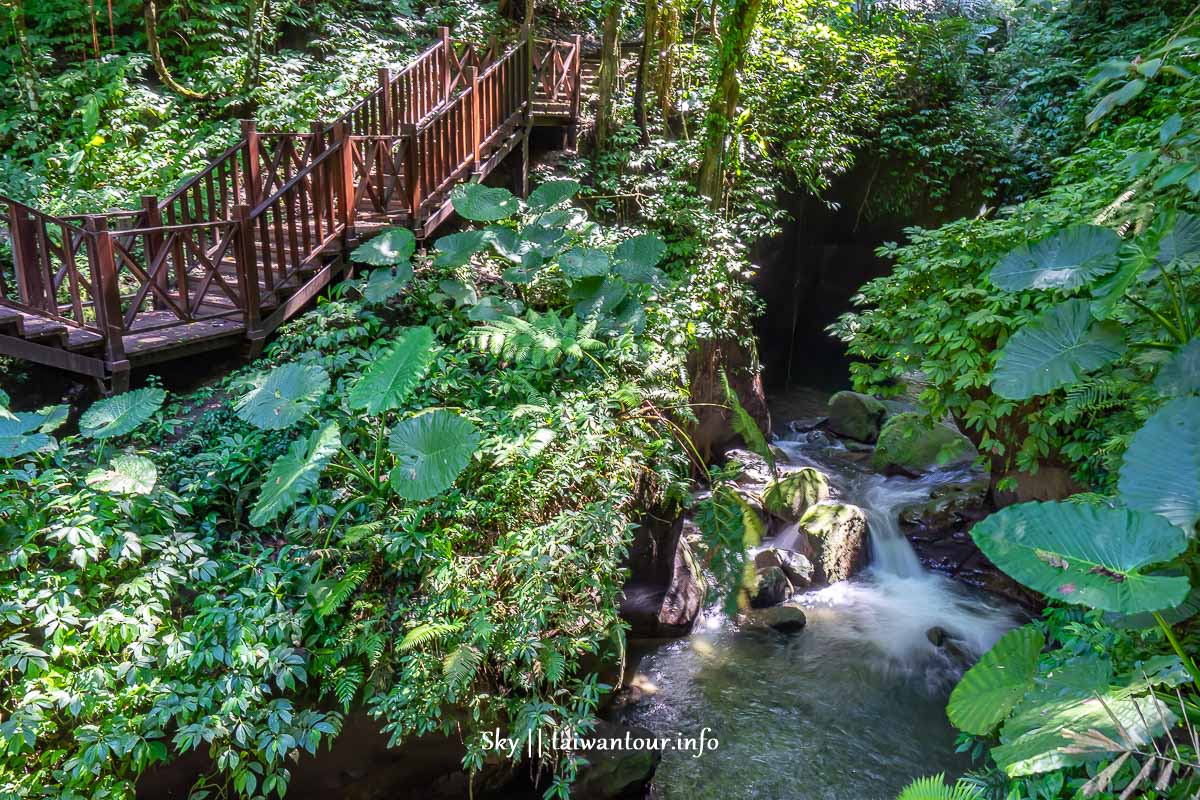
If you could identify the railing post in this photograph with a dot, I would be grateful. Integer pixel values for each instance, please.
(412, 173)
(318, 146)
(107, 293)
(30, 289)
(444, 35)
(252, 174)
(345, 189)
(385, 104)
(246, 260)
(153, 246)
(472, 74)
(576, 91)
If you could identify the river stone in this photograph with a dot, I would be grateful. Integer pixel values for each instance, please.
(787, 618)
(770, 587)
(613, 773)
(790, 496)
(910, 444)
(856, 416)
(755, 469)
(839, 531)
(797, 567)
(949, 509)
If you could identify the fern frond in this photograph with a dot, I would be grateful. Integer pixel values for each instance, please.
(933, 787)
(460, 666)
(429, 632)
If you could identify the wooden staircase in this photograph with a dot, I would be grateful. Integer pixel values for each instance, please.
(248, 242)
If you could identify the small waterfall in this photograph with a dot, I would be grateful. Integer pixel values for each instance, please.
(890, 551)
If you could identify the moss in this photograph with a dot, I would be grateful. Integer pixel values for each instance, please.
(790, 496)
(908, 442)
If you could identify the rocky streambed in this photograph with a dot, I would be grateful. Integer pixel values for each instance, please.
(866, 602)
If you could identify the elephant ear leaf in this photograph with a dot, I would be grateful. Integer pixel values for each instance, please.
(284, 396)
(1181, 375)
(390, 380)
(1181, 244)
(1071, 258)
(431, 450)
(1056, 349)
(456, 249)
(125, 475)
(993, 687)
(1089, 555)
(391, 247)
(551, 193)
(584, 262)
(383, 284)
(119, 415)
(480, 203)
(1161, 470)
(295, 473)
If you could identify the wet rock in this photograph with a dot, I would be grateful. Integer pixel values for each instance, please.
(638, 690)
(839, 532)
(949, 508)
(796, 566)
(954, 648)
(655, 611)
(806, 425)
(790, 496)
(770, 587)
(786, 618)
(755, 469)
(616, 772)
(909, 444)
(856, 416)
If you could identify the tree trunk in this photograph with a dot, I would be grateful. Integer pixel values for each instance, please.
(160, 66)
(255, 32)
(668, 40)
(529, 8)
(736, 28)
(645, 63)
(27, 76)
(610, 66)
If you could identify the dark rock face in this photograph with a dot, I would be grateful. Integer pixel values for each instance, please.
(616, 773)
(665, 593)
(770, 588)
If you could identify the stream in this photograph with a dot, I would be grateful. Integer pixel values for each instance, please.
(853, 706)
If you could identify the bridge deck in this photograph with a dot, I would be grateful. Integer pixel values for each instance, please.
(245, 244)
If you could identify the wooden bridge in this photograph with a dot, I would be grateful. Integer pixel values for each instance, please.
(245, 244)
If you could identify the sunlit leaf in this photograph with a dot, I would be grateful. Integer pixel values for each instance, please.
(431, 450)
(284, 396)
(1160, 473)
(121, 414)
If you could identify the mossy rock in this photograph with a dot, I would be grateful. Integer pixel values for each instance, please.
(856, 416)
(909, 443)
(790, 496)
(786, 618)
(839, 532)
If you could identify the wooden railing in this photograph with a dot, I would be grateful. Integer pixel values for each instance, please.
(251, 228)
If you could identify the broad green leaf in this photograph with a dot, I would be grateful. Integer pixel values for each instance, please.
(1189, 608)
(551, 193)
(1055, 349)
(1181, 375)
(126, 474)
(119, 415)
(1071, 258)
(993, 687)
(597, 297)
(1118, 97)
(506, 243)
(284, 396)
(463, 294)
(547, 242)
(385, 283)
(1181, 244)
(295, 473)
(493, 308)
(388, 382)
(13, 445)
(431, 450)
(644, 251)
(1089, 555)
(456, 249)
(480, 203)
(638, 273)
(1161, 470)
(390, 248)
(584, 262)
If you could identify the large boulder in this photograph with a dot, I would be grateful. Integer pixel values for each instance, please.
(790, 496)
(711, 432)
(839, 531)
(614, 770)
(796, 567)
(910, 444)
(665, 593)
(787, 618)
(950, 508)
(856, 416)
(769, 587)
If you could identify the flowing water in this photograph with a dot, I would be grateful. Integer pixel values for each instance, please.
(851, 708)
